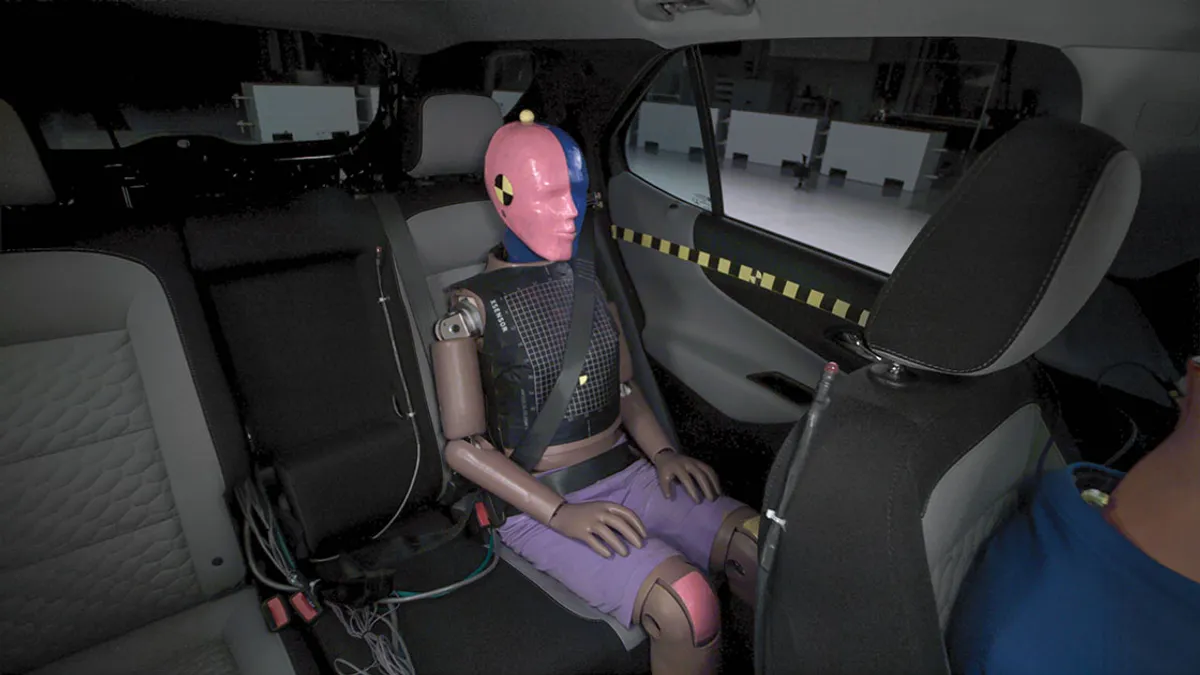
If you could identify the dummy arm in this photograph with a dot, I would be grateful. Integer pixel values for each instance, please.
(640, 422)
(460, 399)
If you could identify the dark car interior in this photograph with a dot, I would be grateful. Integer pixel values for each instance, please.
(193, 303)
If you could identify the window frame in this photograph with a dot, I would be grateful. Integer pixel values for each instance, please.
(708, 135)
(696, 79)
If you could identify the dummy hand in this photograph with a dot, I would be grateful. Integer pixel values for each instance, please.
(695, 476)
(600, 525)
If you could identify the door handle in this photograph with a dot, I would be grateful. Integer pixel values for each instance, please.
(784, 386)
(853, 342)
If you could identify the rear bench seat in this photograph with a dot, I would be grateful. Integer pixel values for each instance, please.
(294, 290)
(117, 554)
(503, 624)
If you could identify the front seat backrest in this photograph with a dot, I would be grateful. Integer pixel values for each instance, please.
(112, 494)
(920, 457)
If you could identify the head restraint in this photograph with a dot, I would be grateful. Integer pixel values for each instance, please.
(454, 134)
(23, 179)
(1012, 255)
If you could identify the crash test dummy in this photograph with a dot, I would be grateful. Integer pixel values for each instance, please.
(610, 508)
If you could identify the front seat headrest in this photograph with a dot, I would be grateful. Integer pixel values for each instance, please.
(454, 134)
(1013, 254)
(23, 179)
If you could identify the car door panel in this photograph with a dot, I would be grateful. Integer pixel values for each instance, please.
(693, 329)
(826, 295)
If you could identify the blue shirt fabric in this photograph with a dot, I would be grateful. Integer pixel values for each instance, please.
(1059, 590)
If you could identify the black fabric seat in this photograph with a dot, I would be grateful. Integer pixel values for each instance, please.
(920, 457)
(294, 294)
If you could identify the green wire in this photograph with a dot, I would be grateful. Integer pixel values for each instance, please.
(283, 546)
(486, 559)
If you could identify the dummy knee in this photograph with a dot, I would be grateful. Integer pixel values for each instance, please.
(677, 605)
(735, 552)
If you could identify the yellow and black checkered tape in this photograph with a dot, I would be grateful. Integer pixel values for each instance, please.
(504, 189)
(792, 290)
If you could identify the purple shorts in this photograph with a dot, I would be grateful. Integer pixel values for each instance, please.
(676, 526)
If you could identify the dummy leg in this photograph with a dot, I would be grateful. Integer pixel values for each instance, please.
(679, 611)
(735, 552)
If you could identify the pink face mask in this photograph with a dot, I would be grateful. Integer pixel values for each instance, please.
(530, 185)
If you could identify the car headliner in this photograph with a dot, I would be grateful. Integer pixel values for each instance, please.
(420, 26)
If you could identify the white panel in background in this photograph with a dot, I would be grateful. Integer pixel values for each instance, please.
(871, 153)
(672, 126)
(770, 139)
(506, 99)
(367, 97)
(291, 112)
(838, 49)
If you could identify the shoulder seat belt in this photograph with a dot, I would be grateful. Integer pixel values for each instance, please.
(533, 444)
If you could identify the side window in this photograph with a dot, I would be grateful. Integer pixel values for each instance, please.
(846, 145)
(664, 145)
(508, 76)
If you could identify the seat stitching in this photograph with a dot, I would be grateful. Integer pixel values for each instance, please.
(77, 447)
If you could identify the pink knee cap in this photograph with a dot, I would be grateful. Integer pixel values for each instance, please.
(701, 604)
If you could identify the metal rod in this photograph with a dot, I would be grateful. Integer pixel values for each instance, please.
(776, 523)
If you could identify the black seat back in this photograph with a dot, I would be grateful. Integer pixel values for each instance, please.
(920, 458)
(295, 292)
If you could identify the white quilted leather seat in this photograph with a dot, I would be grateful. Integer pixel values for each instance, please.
(117, 554)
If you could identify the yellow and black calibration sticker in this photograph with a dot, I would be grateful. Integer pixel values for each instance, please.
(504, 189)
(785, 287)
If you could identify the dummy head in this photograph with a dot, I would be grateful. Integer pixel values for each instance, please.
(538, 183)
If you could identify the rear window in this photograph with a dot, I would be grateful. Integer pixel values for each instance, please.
(158, 76)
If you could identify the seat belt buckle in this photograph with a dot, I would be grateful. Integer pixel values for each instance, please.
(495, 510)
(481, 515)
(305, 606)
(275, 613)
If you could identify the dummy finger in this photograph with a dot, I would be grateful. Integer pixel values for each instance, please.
(630, 517)
(664, 481)
(599, 548)
(685, 479)
(605, 532)
(697, 472)
(625, 529)
(712, 477)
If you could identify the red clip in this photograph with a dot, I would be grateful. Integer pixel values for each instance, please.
(275, 613)
(481, 515)
(305, 607)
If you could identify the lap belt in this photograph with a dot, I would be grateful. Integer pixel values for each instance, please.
(578, 476)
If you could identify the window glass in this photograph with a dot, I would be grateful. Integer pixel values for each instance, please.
(848, 145)
(663, 141)
(509, 75)
(172, 77)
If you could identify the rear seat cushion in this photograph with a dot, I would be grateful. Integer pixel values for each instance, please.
(223, 636)
(110, 486)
